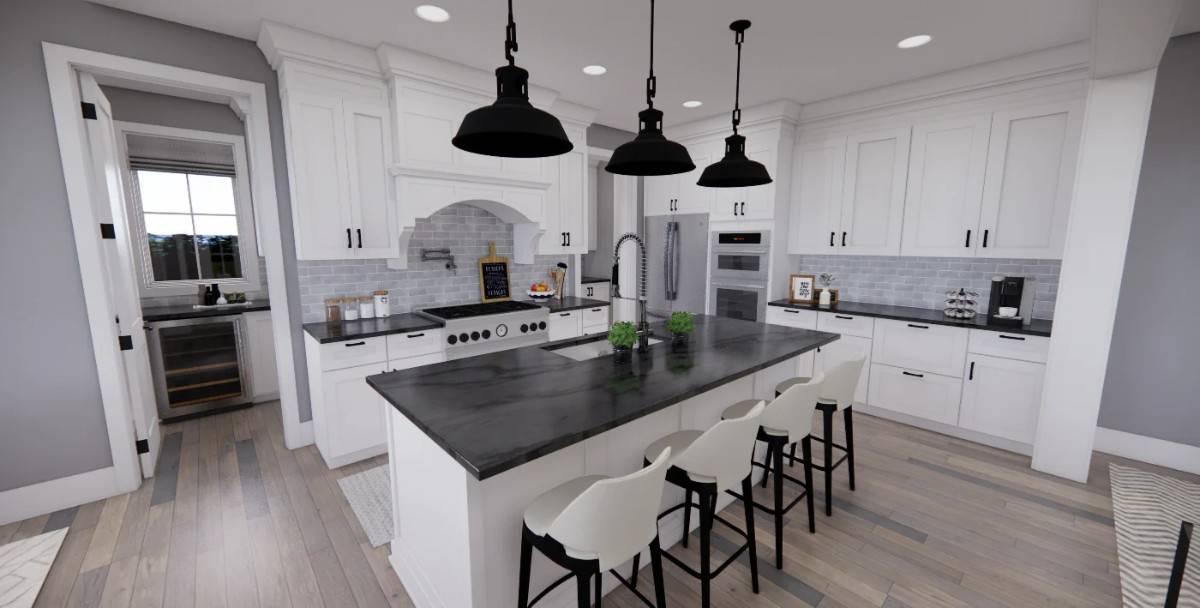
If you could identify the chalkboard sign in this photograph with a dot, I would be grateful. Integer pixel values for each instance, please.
(493, 277)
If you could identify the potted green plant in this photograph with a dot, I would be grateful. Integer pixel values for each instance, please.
(622, 335)
(681, 324)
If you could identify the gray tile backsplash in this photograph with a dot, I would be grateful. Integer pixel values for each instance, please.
(923, 282)
(462, 228)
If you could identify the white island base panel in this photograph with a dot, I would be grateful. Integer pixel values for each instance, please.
(457, 539)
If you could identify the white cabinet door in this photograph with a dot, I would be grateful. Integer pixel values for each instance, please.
(1030, 172)
(264, 380)
(873, 194)
(758, 202)
(320, 197)
(945, 187)
(354, 411)
(915, 393)
(572, 201)
(597, 291)
(921, 346)
(564, 325)
(595, 320)
(691, 197)
(846, 348)
(816, 212)
(661, 192)
(368, 146)
(1002, 397)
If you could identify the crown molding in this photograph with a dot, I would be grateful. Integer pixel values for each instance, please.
(278, 42)
(784, 111)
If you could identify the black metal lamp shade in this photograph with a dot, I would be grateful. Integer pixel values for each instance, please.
(735, 170)
(650, 153)
(512, 127)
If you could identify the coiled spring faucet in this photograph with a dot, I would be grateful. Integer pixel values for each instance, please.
(643, 328)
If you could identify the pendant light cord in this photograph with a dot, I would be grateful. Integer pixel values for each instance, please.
(651, 81)
(510, 37)
(738, 37)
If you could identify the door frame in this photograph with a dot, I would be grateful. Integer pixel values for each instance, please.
(248, 100)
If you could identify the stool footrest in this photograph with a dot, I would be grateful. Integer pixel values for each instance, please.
(631, 587)
(716, 571)
(538, 597)
(771, 510)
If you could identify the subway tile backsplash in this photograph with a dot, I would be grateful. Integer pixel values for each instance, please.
(923, 282)
(462, 228)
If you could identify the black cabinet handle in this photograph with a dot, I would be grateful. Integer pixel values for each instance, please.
(564, 314)
(597, 309)
(831, 235)
(359, 231)
(971, 374)
(913, 375)
(843, 317)
(743, 208)
(415, 335)
(985, 237)
(1012, 337)
(349, 243)
(354, 344)
(568, 239)
(735, 208)
(915, 326)
(968, 238)
(843, 239)
(790, 311)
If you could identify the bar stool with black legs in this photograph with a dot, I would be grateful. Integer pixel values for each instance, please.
(592, 524)
(837, 394)
(786, 421)
(707, 463)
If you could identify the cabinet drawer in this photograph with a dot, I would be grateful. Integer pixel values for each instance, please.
(919, 394)
(920, 346)
(415, 343)
(792, 317)
(564, 325)
(416, 361)
(340, 355)
(851, 325)
(1012, 346)
(595, 319)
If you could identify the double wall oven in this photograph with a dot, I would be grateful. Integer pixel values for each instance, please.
(739, 269)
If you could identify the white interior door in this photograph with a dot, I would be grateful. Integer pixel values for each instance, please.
(108, 196)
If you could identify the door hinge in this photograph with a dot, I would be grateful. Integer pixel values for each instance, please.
(108, 231)
(89, 110)
(126, 342)
(143, 446)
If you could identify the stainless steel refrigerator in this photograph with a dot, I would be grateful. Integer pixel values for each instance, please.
(677, 252)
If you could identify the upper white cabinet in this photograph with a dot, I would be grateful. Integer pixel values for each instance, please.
(339, 147)
(817, 196)
(565, 217)
(754, 202)
(873, 192)
(679, 193)
(1030, 172)
(945, 187)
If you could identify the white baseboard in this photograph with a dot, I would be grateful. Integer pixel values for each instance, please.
(1178, 456)
(49, 496)
(307, 434)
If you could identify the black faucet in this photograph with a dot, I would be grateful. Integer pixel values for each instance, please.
(643, 328)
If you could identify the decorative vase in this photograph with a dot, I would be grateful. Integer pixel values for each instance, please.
(679, 342)
(622, 354)
(825, 299)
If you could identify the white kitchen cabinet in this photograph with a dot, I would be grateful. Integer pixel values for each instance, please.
(368, 154)
(354, 415)
(872, 212)
(1009, 345)
(565, 325)
(1002, 397)
(819, 169)
(598, 291)
(264, 380)
(799, 319)
(679, 193)
(937, 349)
(415, 343)
(915, 393)
(751, 202)
(945, 187)
(1027, 188)
(566, 215)
(846, 348)
(595, 320)
(842, 323)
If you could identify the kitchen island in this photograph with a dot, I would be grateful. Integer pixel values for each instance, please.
(472, 442)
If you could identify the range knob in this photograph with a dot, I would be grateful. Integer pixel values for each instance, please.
(524, 328)
(542, 325)
(501, 330)
(463, 337)
(474, 335)
(487, 334)
(453, 339)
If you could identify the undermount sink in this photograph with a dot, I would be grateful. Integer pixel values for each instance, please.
(589, 348)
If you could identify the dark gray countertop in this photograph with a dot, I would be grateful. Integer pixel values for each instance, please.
(567, 303)
(497, 411)
(369, 328)
(1039, 327)
(153, 314)
(587, 279)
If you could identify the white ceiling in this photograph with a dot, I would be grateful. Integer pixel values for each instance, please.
(804, 50)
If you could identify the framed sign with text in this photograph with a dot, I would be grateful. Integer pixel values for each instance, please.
(494, 285)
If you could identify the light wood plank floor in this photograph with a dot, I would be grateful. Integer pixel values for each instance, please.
(235, 519)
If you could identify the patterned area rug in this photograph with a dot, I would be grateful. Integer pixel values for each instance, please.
(370, 496)
(1148, 508)
(24, 565)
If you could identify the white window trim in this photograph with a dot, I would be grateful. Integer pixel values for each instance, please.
(247, 226)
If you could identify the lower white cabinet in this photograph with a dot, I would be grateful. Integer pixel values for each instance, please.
(595, 320)
(353, 415)
(847, 348)
(565, 325)
(922, 346)
(1002, 397)
(920, 394)
(800, 319)
(264, 380)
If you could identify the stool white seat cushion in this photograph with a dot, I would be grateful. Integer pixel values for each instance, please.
(679, 442)
(741, 408)
(790, 382)
(546, 508)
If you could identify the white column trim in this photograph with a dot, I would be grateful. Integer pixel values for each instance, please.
(57, 494)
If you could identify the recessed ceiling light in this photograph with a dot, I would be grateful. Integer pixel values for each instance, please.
(913, 42)
(692, 103)
(433, 14)
(594, 70)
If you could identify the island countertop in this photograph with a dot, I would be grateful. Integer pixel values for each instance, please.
(497, 411)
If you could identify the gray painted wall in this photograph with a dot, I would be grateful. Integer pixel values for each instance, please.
(602, 136)
(598, 262)
(169, 111)
(1150, 388)
(52, 418)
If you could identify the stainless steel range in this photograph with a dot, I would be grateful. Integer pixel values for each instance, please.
(476, 329)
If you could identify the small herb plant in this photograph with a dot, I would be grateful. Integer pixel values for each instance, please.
(622, 334)
(681, 323)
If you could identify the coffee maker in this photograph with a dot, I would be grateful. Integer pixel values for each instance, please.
(1012, 295)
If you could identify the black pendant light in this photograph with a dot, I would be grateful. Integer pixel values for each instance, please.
(735, 170)
(511, 126)
(650, 153)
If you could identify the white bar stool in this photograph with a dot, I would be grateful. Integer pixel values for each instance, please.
(786, 421)
(837, 394)
(708, 463)
(592, 524)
